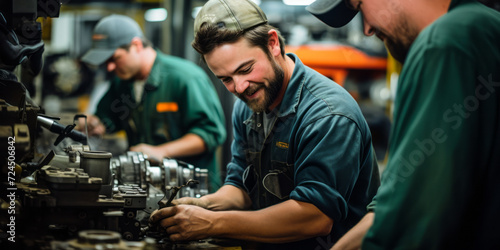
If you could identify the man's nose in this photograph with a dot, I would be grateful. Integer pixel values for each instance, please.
(240, 85)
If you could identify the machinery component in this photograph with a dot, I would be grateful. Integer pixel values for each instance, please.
(166, 203)
(61, 197)
(17, 120)
(90, 190)
(97, 164)
(133, 168)
(99, 239)
(63, 202)
(177, 173)
(63, 131)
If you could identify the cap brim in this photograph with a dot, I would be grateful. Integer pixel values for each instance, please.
(97, 57)
(334, 13)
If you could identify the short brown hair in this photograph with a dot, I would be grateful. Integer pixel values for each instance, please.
(145, 43)
(210, 36)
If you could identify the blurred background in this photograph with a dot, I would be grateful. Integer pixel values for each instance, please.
(66, 87)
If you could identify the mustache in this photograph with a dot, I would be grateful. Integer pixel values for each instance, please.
(250, 91)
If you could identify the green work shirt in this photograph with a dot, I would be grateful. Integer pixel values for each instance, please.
(441, 187)
(178, 98)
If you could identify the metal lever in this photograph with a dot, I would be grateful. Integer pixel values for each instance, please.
(162, 203)
(166, 203)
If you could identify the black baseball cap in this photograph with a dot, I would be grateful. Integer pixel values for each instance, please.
(334, 13)
(110, 33)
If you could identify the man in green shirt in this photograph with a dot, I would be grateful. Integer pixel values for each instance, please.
(441, 187)
(167, 105)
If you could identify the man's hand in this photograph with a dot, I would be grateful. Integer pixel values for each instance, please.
(191, 201)
(184, 222)
(353, 239)
(155, 154)
(94, 126)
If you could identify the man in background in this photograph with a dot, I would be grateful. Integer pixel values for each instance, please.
(440, 189)
(167, 105)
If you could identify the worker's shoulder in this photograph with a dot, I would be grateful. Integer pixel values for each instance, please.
(322, 97)
(465, 27)
(179, 64)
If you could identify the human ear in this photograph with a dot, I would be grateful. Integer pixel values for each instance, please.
(274, 43)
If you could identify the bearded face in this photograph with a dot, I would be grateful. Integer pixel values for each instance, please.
(271, 90)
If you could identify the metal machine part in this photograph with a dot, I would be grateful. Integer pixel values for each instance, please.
(100, 239)
(63, 131)
(57, 203)
(56, 198)
(63, 202)
(97, 164)
(133, 168)
(173, 193)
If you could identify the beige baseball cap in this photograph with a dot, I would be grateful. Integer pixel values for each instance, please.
(230, 14)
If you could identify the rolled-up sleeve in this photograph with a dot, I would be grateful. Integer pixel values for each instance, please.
(328, 159)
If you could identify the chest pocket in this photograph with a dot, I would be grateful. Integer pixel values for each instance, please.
(267, 183)
(160, 127)
(279, 180)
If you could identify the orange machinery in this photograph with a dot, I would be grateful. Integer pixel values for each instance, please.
(339, 61)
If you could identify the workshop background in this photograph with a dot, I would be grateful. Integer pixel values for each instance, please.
(66, 86)
(58, 206)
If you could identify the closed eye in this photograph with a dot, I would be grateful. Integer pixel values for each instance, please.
(225, 80)
(246, 70)
(352, 6)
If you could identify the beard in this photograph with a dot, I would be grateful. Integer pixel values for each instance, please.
(271, 92)
(399, 45)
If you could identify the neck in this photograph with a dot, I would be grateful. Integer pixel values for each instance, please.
(287, 64)
(427, 11)
(148, 57)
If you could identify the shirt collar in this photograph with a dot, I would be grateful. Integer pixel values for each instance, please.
(455, 3)
(154, 78)
(294, 89)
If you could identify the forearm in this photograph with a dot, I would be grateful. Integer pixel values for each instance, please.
(354, 237)
(285, 222)
(187, 145)
(218, 201)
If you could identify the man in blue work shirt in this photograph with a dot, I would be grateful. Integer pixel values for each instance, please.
(303, 166)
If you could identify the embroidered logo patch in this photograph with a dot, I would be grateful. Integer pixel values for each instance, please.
(283, 145)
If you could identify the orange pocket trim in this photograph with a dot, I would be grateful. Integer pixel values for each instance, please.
(167, 107)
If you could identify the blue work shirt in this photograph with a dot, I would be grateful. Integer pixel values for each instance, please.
(318, 150)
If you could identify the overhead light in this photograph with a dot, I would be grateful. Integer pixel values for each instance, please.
(156, 15)
(298, 2)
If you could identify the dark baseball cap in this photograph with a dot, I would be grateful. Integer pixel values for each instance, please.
(335, 13)
(110, 33)
(231, 14)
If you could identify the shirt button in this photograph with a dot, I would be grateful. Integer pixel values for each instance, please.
(258, 125)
